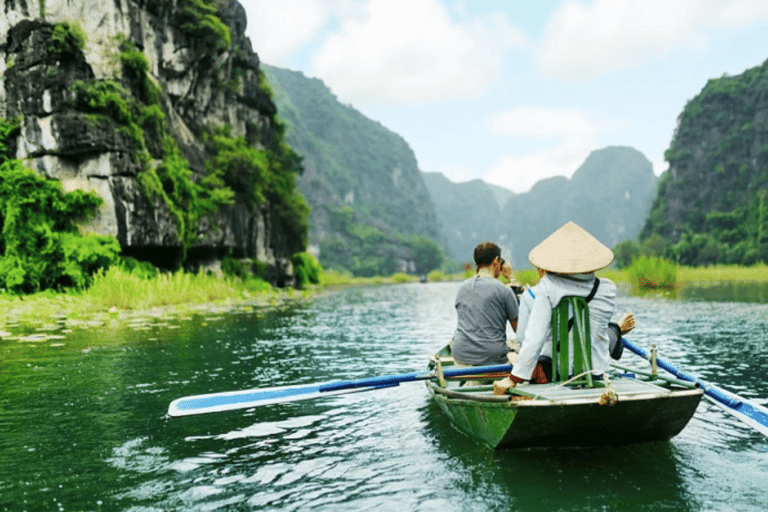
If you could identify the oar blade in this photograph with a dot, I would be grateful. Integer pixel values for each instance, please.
(245, 399)
(248, 398)
(754, 415)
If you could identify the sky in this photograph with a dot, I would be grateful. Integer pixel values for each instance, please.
(514, 91)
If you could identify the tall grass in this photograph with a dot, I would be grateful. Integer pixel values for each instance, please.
(527, 276)
(690, 275)
(402, 277)
(651, 273)
(720, 273)
(122, 290)
(332, 278)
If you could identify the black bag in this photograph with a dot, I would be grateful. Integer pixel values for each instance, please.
(616, 347)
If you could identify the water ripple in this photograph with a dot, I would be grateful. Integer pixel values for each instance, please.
(390, 449)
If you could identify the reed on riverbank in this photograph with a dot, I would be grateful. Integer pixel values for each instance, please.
(121, 291)
(117, 290)
(668, 275)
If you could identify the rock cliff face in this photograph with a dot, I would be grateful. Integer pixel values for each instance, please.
(712, 202)
(201, 85)
(469, 213)
(354, 164)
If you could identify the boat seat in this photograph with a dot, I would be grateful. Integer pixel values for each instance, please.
(571, 333)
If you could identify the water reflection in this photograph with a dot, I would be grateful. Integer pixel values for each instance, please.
(588, 479)
(726, 291)
(723, 291)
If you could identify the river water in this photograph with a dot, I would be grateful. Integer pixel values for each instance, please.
(83, 426)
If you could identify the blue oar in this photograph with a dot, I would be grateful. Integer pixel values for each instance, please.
(754, 415)
(232, 400)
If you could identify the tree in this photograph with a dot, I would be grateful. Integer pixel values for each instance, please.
(626, 252)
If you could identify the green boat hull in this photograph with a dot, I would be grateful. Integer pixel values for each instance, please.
(639, 416)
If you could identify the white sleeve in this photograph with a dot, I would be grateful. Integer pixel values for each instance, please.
(537, 334)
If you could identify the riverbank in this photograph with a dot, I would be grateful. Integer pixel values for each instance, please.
(121, 297)
(118, 296)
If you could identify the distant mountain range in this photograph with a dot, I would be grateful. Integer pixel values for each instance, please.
(364, 187)
(370, 210)
(610, 196)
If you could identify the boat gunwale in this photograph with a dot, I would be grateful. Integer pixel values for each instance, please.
(507, 400)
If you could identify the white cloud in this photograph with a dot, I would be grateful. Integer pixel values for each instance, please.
(575, 138)
(584, 40)
(659, 165)
(520, 173)
(737, 14)
(405, 51)
(538, 121)
(278, 29)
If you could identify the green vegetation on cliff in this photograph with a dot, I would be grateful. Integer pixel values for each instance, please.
(711, 207)
(261, 175)
(67, 39)
(133, 102)
(367, 251)
(371, 213)
(133, 113)
(40, 246)
(200, 20)
(135, 108)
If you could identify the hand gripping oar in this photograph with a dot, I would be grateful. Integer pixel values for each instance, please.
(232, 400)
(754, 415)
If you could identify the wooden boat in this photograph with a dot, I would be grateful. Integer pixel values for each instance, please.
(647, 407)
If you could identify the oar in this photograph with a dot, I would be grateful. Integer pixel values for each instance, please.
(232, 400)
(754, 415)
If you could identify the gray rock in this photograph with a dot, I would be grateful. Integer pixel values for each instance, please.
(64, 141)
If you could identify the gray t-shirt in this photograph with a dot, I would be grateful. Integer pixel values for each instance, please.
(483, 308)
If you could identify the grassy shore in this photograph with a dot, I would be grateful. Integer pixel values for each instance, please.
(117, 294)
(684, 275)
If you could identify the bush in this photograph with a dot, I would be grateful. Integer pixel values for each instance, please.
(83, 256)
(201, 21)
(402, 277)
(233, 267)
(426, 253)
(67, 39)
(652, 273)
(40, 246)
(9, 128)
(436, 276)
(626, 252)
(306, 269)
(137, 268)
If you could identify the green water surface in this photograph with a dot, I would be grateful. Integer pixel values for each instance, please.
(83, 426)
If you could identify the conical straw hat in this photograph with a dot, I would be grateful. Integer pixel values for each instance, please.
(570, 250)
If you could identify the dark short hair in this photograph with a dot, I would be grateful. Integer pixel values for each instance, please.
(485, 253)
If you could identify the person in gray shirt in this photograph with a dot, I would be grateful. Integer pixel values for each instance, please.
(483, 307)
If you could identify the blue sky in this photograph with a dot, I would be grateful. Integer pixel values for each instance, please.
(514, 91)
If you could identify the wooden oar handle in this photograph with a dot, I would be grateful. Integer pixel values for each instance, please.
(394, 380)
(370, 382)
